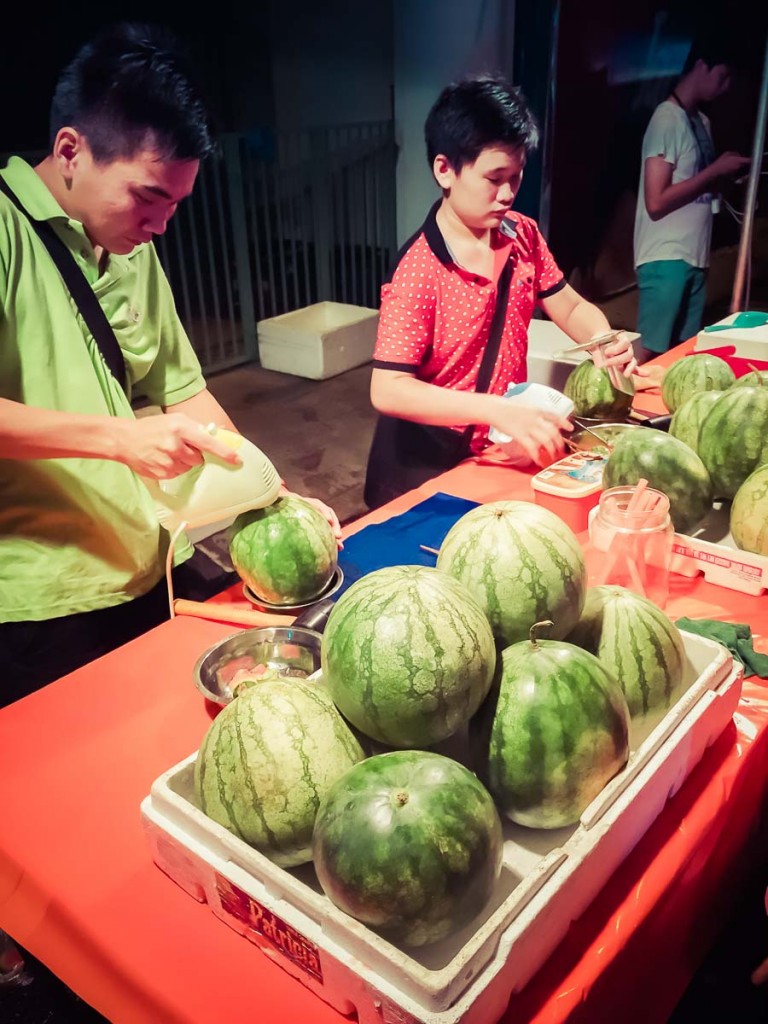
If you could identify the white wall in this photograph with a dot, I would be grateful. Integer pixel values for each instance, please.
(437, 41)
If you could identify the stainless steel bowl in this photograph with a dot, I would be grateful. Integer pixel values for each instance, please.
(293, 651)
(609, 432)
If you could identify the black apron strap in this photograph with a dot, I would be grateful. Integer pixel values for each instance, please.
(403, 454)
(80, 290)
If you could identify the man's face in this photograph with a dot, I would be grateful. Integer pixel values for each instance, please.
(126, 202)
(483, 192)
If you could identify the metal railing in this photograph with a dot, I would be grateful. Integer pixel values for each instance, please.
(280, 222)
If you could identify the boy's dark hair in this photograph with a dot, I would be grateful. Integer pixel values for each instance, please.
(131, 88)
(713, 48)
(475, 113)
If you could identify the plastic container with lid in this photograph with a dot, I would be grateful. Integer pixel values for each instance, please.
(571, 487)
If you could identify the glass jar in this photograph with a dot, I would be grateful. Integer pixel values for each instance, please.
(632, 545)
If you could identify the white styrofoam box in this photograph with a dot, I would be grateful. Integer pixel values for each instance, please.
(545, 340)
(750, 342)
(548, 877)
(318, 341)
(550, 359)
(711, 550)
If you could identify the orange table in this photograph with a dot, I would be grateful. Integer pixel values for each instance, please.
(79, 889)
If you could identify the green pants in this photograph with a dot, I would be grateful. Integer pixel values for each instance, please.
(672, 296)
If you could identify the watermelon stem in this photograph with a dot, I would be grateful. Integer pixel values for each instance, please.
(545, 624)
(401, 799)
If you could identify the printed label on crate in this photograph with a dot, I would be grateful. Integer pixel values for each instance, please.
(744, 569)
(269, 926)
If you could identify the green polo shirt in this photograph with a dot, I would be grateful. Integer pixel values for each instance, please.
(79, 534)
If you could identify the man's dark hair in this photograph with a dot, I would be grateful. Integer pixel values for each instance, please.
(129, 89)
(475, 113)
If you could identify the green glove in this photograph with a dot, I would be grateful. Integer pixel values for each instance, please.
(736, 636)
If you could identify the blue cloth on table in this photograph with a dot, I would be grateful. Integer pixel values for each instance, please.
(396, 542)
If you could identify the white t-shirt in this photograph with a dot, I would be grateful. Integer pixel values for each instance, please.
(683, 234)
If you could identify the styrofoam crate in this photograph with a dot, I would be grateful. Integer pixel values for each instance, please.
(545, 340)
(318, 341)
(548, 877)
(711, 550)
(748, 342)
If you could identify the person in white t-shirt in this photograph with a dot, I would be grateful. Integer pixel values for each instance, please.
(677, 196)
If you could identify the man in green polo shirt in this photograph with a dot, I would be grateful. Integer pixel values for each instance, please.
(81, 551)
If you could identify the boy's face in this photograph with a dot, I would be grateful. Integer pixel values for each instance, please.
(482, 193)
(126, 202)
(714, 80)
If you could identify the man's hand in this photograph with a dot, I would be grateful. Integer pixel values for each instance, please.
(537, 431)
(325, 511)
(167, 445)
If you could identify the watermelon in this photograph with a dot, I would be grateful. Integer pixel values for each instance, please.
(286, 553)
(636, 642)
(749, 513)
(694, 373)
(669, 466)
(409, 843)
(733, 438)
(753, 379)
(687, 420)
(266, 762)
(521, 562)
(589, 388)
(407, 655)
(559, 732)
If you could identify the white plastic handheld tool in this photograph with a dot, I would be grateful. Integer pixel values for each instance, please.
(216, 490)
(213, 491)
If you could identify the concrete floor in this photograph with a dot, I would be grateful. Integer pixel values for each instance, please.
(316, 432)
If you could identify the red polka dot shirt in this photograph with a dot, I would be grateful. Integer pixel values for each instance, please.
(435, 316)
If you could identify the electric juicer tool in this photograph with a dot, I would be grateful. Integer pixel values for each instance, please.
(213, 492)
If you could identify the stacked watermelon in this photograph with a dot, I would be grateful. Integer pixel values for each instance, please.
(522, 563)
(266, 762)
(408, 655)
(693, 374)
(554, 733)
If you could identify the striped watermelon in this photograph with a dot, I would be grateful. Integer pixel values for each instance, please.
(522, 563)
(686, 422)
(409, 843)
(694, 373)
(559, 732)
(749, 513)
(669, 466)
(636, 642)
(753, 379)
(286, 552)
(589, 388)
(733, 440)
(266, 762)
(407, 655)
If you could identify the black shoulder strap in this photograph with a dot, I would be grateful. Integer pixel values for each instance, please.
(497, 327)
(79, 289)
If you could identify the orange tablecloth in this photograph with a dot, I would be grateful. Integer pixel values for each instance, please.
(79, 889)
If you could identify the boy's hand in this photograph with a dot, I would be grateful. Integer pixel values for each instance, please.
(619, 353)
(535, 430)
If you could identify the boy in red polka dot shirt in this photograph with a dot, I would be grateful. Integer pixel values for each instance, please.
(472, 254)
